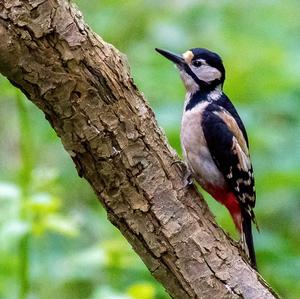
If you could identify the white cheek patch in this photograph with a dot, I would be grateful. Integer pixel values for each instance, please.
(206, 73)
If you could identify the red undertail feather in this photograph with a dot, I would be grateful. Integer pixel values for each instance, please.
(229, 200)
(241, 219)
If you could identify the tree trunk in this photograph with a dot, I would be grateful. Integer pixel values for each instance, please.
(83, 86)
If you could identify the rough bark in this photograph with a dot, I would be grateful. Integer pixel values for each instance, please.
(83, 86)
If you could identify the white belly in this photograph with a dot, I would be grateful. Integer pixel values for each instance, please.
(196, 153)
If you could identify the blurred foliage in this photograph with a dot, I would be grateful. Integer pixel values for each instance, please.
(54, 236)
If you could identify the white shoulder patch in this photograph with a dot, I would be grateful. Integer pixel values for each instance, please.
(215, 94)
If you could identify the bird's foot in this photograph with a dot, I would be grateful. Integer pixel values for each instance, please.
(188, 180)
(187, 175)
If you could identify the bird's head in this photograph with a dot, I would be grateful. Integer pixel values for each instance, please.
(200, 69)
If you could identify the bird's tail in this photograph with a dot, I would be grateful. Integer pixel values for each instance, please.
(247, 238)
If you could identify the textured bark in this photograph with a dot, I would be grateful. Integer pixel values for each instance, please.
(83, 86)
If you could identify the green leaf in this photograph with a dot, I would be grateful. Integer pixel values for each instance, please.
(43, 203)
(11, 232)
(61, 224)
(142, 290)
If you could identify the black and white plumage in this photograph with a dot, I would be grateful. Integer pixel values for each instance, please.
(214, 139)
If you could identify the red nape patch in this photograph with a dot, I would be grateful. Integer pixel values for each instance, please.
(229, 200)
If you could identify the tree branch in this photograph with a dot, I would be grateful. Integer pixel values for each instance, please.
(83, 86)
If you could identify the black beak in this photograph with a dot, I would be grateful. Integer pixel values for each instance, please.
(177, 59)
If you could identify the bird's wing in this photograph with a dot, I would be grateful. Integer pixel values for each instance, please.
(225, 102)
(228, 147)
(229, 150)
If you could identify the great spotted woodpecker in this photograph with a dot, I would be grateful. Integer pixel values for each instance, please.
(214, 139)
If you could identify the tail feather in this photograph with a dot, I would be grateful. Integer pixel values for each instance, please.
(247, 238)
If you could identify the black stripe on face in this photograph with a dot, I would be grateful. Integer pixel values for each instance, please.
(188, 70)
(203, 86)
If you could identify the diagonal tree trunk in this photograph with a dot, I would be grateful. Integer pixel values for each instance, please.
(83, 86)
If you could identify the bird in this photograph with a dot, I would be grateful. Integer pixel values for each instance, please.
(214, 140)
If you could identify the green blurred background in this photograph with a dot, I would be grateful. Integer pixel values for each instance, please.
(54, 236)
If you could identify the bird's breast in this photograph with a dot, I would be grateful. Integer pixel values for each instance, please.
(195, 150)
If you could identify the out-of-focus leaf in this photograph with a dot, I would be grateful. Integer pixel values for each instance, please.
(61, 224)
(42, 203)
(8, 190)
(9, 202)
(108, 293)
(11, 232)
(141, 291)
(43, 178)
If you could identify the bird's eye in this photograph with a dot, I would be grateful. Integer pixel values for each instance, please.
(197, 63)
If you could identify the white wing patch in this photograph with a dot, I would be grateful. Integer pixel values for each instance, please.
(235, 130)
(244, 160)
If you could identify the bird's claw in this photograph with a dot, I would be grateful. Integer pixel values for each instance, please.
(188, 180)
(187, 175)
